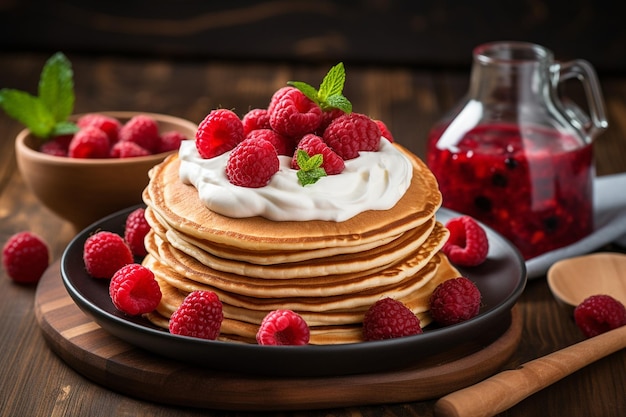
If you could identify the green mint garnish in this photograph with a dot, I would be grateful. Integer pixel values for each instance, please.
(46, 114)
(330, 94)
(310, 167)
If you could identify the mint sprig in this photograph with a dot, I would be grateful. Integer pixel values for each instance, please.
(47, 113)
(330, 93)
(310, 167)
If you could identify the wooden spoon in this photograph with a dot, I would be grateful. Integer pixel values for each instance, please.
(571, 281)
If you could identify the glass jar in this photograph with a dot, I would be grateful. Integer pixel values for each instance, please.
(517, 155)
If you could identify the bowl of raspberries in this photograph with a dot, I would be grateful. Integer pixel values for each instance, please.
(100, 168)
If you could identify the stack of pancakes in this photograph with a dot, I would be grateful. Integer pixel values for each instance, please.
(328, 272)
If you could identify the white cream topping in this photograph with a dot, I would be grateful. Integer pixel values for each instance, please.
(372, 181)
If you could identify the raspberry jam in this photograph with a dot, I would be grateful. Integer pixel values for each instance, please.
(531, 184)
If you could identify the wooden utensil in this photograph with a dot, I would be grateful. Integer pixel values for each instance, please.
(571, 281)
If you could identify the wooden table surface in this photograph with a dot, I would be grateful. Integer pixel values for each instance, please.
(35, 382)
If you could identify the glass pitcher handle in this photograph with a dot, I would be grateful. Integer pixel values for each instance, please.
(584, 72)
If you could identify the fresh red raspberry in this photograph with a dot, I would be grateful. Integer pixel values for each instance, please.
(282, 144)
(143, 130)
(313, 145)
(219, 132)
(89, 142)
(110, 125)
(454, 300)
(351, 133)
(598, 314)
(327, 118)
(277, 97)
(255, 119)
(468, 244)
(384, 130)
(295, 115)
(200, 315)
(57, 146)
(126, 149)
(135, 231)
(388, 319)
(252, 163)
(104, 253)
(25, 257)
(283, 327)
(170, 141)
(134, 290)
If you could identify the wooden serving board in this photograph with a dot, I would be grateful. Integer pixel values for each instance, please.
(127, 369)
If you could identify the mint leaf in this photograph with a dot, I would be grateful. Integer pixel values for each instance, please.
(340, 102)
(333, 82)
(47, 113)
(307, 90)
(64, 128)
(310, 167)
(330, 93)
(56, 87)
(28, 110)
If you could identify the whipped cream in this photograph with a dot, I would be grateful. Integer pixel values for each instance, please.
(372, 181)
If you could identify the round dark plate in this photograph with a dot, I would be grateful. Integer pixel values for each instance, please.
(501, 280)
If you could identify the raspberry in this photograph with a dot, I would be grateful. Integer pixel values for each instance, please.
(351, 133)
(454, 301)
(283, 327)
(89, 142)
(312, 144)
(110, 125)
(134, 290)
(219, 132)
(255, 119)
(327, 118)
(126, 149)
(200, 315)
(598, 314)
(283, 145)
(295, 115)
(252, 163)
(468, 244)
(142, 130)
(388, 319)
(25, 257)
(57, 146)
(277, 97)
(384, 131)
(135, 231)
(104, 253)
(170, 141)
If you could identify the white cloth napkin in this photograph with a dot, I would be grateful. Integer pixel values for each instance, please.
(610, 225)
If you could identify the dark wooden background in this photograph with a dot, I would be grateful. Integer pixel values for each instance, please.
(384, 32)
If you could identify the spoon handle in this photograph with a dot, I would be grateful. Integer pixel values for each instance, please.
(505, 389)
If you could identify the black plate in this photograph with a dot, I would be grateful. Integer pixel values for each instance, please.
(501, 280)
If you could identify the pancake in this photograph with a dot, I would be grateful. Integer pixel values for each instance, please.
(197, 272)
(328, 327)
(180, 208)
(328, 272)
(257, 256)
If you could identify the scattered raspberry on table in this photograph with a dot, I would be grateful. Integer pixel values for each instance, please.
(25, 257)
(598, 314)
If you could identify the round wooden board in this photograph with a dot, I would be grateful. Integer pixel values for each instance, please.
(124, 368)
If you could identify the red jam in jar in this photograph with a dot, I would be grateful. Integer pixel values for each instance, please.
(534, 185)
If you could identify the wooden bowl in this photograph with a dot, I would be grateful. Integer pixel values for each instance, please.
(83, 191)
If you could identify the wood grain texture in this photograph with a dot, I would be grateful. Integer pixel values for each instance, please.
(35, 382)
